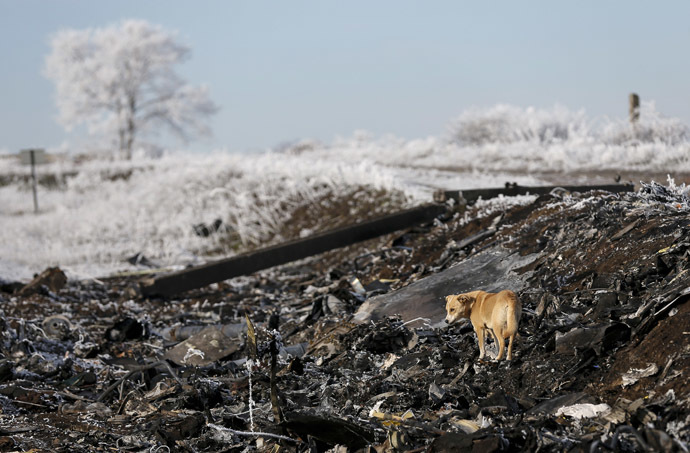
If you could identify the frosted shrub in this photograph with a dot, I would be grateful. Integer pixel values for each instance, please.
(652, 127)
(507, 138)
(509, 124)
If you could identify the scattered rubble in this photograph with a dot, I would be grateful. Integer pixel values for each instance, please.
(51, 279)
(346, 351)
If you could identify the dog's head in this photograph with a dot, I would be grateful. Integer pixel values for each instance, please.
(458, 306)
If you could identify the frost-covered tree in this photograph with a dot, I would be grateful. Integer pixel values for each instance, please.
(121, 83)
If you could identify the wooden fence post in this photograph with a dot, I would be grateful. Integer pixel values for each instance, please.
(634, 101)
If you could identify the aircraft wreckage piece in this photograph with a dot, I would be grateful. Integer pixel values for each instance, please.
(423, 300)
(247, 263)
(512, 189)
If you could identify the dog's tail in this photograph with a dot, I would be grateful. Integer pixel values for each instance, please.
(514, 313)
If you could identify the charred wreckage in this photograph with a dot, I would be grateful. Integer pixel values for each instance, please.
(347, 350)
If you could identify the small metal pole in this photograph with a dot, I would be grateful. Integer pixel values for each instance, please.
(33, 177)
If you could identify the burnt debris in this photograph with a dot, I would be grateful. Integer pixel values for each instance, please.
(346, 351)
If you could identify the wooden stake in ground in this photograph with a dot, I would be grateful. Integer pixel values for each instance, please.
(634, 101)
(33, 157)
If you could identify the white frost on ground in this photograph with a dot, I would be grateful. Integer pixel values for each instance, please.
(100, 219)
(112, 210)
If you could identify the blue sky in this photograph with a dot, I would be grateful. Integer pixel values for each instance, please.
(285, 70)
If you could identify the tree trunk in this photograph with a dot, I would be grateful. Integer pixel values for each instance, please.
(120, 130)
(131, 126)
(131, 129)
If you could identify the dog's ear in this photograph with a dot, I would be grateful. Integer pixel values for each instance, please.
(465, 299)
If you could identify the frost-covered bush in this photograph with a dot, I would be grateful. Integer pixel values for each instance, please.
(507, 138)
(652, 127)
(506, 124)
(509, 124)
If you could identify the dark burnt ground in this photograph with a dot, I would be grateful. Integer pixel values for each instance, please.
(82, 366)
(667, 347)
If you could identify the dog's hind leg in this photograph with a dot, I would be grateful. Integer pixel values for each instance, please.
(501, 343)
(510, 347)
(512, 324)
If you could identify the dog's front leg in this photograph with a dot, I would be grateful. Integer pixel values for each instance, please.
(481, 332)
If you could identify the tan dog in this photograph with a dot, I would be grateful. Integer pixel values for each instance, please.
(497, 313)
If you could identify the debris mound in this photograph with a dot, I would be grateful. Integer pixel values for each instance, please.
(347, 351)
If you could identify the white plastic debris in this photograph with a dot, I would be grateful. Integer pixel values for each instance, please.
(584, 410)
(467, 426)
(635, 374)
(357, 286)
(389, 361)
(376, 408)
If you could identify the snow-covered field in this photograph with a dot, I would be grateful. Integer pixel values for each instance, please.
(112, 210)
